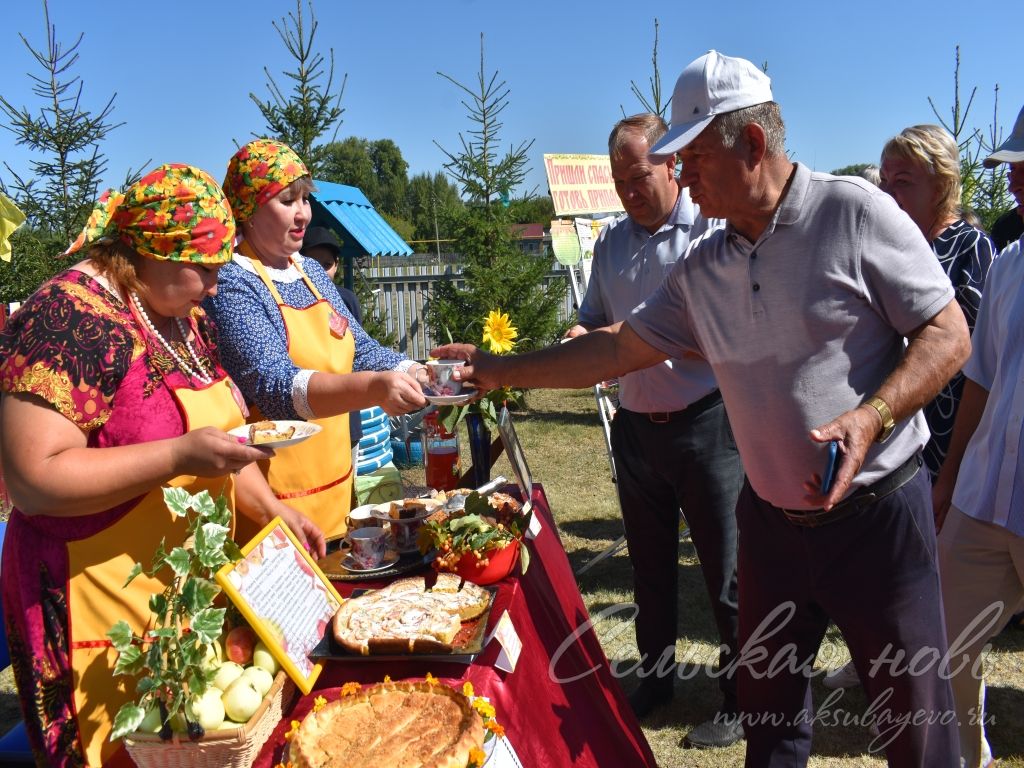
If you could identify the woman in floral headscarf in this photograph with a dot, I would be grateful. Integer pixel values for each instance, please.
(112, 389)
(289, 340)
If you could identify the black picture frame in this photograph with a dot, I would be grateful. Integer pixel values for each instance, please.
(516, 456)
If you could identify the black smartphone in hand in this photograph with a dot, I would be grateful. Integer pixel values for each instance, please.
(831, 467)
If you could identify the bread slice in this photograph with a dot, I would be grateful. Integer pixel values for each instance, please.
(408, 509)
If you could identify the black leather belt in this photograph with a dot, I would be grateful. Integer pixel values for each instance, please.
(665, 417)
(859, 500)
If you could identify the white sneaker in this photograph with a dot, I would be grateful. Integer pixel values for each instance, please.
(844, 677)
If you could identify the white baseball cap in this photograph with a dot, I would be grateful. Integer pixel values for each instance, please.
(1011, 150)
(711, 85)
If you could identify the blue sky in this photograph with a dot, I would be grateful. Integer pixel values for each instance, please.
(848, 75)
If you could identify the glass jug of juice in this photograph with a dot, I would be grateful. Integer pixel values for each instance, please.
(440, 455)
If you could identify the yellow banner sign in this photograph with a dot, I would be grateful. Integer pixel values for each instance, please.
(581, 184)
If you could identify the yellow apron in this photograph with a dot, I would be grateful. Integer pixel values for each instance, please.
(98, 567)
(315, 476)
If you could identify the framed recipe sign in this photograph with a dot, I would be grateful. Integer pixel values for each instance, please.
(285, 597)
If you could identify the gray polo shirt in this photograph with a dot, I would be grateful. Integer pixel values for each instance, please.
(804, 324)
(629, 264)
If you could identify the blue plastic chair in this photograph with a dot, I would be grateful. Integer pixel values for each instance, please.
(14, 748)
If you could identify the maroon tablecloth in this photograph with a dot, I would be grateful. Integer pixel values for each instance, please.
(551, 719)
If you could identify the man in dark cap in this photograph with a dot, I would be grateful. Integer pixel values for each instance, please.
(322, 246)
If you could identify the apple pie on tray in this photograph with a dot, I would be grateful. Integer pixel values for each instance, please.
(406, 617)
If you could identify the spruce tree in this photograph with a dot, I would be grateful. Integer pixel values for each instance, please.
(496, 273)
(59, 190)
(300, 118)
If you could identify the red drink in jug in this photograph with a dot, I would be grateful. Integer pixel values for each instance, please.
(440, 455)
(443, 470)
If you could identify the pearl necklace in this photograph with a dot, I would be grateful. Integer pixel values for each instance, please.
(200, 370)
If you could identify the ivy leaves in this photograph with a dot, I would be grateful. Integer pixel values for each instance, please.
(170, 659)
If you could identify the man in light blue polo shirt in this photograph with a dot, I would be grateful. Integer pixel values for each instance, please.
(981, 542)
(801, 305)
(671, 439)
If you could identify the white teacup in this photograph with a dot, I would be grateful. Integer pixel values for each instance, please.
(368, 546)
(361, 517)
(441, 380)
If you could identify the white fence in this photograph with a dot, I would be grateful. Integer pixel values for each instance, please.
(404, 290)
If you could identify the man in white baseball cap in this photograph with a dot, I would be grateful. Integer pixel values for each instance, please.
(977, 494)
(712, 85)
(801, 305)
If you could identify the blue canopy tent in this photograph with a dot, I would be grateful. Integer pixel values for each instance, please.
(361, 230)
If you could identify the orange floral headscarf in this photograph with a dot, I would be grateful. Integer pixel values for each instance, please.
(174, 213)
(258, 172)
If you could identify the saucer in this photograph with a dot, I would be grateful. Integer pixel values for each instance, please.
(390, 558)
(467, 394)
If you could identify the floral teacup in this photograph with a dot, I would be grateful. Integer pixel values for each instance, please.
(441, 380)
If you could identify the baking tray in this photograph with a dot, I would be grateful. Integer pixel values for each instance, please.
(330, 564)
(468, 643)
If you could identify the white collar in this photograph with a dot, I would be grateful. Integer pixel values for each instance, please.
(287, 275)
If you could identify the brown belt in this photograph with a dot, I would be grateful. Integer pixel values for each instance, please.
(859, 500)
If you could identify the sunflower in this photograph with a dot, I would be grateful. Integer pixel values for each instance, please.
(499, 332)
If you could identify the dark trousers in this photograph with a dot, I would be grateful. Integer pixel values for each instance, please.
(875, 575)
(690, 462)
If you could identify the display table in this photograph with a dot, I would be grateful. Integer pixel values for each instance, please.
(560, 707)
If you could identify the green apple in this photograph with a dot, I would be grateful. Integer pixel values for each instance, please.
(261, 679)
(207, 709)
(228, 672)
(263, 658)
(241, 700)
(151, 722)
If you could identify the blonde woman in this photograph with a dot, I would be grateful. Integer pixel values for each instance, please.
(920, 169)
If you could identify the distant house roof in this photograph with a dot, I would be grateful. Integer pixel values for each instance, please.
(362, 230)
(529, 231)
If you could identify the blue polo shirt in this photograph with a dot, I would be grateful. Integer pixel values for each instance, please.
(629, 264)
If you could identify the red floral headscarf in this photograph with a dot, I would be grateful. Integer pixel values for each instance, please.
(258, 172)
(174, 213)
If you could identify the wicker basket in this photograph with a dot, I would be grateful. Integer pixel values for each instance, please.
(235, 748)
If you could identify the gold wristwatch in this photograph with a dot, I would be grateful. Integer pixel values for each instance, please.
(888, 425)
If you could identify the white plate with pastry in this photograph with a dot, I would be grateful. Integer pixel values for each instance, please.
(275, 434)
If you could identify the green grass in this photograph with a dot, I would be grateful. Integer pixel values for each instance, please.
(564, 445)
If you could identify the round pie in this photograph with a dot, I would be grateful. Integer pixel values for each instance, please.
(406, 617)
(390, 725)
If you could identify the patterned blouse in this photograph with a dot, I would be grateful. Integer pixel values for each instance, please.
(966, 254)
(254, 345)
